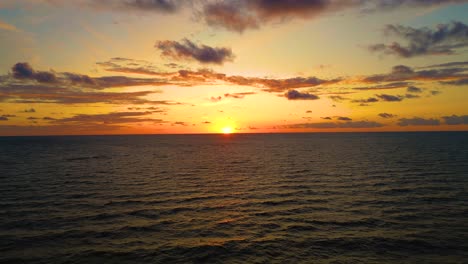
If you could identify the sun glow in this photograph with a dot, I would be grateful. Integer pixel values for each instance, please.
(227, 130)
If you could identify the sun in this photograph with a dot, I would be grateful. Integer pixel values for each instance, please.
(227, 130)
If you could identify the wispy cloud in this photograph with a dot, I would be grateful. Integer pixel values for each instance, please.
(443, 40)
(325, 125)
(401, 73)
(418, 121)
(110, 118)
(6, 26)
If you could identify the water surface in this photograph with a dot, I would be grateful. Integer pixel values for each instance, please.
(265, 198)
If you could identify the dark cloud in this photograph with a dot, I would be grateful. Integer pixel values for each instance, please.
(326, 118)
(366, 101)
(390, 98)
(58, 129)
(180, 123)
(228, 15)
(308, 111)
(443, 40)
(411, 96)
(393, 4)
(434, 92)
(187, 50)
(243, 14)
(401, 73)
(30, 110)
(158, 6)
(351, 124)
(109, 118)
(386, 115)
(418, 121)
(343, 118)
(392, 85)
(459, 82)
(3, 118)
(238, 95)
(296, 95)
(22, 70)
(449, 64)
(413, 89)
(338, 98)
(37, 93)
(240, 15)
(456, 120)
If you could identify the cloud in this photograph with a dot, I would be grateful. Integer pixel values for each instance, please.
(413, 89)
(3, 118)
(8, 27)
(23, 72)
(240, 15)
(180, 123)
(411, 96)
(227, 15)
(366, 101)
(338, 98)
(187, 50)
(238, 95)
(296, 95)
(156, 6)
(386, 115)
(30, 110)
(351, 124)
(418, 121)
(444, 40)
(385, 98)
(401, 73)
(459, 82)
(109, 118)
(449, 64)
(207, 76)
(390, 98)
(37, 93)
(456, 120)
(216, 98)
(343, 118)
(392, 85)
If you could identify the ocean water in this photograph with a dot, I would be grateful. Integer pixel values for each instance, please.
(240, 198)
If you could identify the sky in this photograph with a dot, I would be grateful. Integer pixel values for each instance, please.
(237, 66)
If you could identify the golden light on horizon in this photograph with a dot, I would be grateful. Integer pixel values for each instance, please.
(227, 130)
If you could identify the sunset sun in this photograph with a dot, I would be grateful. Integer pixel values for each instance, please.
(227, 130)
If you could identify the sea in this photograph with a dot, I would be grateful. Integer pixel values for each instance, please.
(238, 198)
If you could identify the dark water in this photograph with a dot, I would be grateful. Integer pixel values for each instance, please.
(283, 198)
